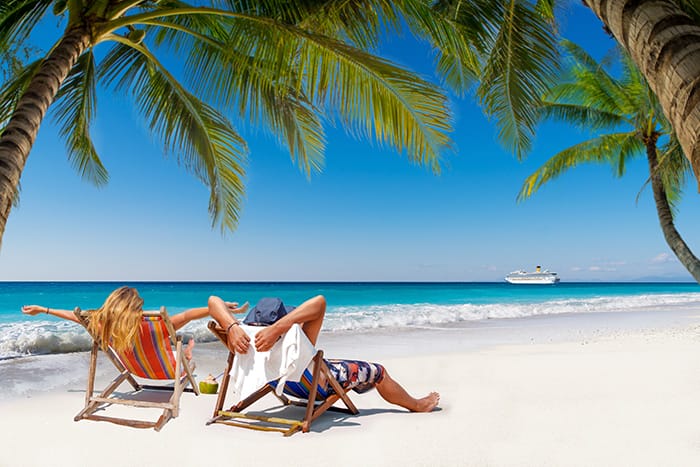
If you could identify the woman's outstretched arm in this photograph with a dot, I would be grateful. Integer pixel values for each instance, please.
(34, 310)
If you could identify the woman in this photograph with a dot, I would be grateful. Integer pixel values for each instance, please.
(118, 320)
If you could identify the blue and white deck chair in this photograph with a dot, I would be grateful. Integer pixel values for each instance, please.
(306, 393)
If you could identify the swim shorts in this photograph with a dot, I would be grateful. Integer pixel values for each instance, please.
(358, 375)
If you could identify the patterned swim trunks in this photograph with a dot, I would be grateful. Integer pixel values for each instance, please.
(358, 375)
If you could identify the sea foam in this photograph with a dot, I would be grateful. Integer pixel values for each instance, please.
(426, 314)
(43, 337)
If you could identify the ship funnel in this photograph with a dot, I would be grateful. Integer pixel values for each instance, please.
(538, 269)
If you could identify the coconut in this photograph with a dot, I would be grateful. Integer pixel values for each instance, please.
(209, 385)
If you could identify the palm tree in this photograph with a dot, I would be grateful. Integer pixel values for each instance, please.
(285, 65)
(628, 121)
(518, 39)
(663, 39)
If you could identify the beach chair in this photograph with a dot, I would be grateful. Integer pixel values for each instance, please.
(307, 393)
(151, 359)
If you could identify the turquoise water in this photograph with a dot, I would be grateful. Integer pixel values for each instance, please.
(352, 306)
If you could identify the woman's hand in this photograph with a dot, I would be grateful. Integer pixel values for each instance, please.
(235, 309)
(34, 310)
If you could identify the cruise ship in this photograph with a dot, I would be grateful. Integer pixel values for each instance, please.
(539, 277)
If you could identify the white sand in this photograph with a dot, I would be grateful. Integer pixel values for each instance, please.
(577, 390)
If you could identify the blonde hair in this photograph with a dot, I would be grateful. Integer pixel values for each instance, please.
(118, 320)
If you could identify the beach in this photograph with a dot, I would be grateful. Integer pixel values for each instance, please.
(583, 389)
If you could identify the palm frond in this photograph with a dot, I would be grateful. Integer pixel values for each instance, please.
(286, 11)
(373, 97)
(261, 94)
(546, 8)
(18, 18)
(586, 117)
(210, 26)
(477, 20)
(580, 56)
(370, 95)
(74, 109)
(357, 22)
(609, 148)
(13, 90)
(13, 59)
(363, 23)
(691, 8)
(598, 87)
(650, 113)
(377, 99)
(458, 64)
(675, 170)
(627, 148)
(296, 124)
(16, 196)
(520, 67)
(203, 140)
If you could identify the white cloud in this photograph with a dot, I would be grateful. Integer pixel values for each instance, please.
(662, 258)
(603, 268)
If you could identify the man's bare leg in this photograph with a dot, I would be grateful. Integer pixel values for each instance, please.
(394, 393)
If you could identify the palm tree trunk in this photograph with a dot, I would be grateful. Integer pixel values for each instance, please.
(19, 135)
(663, 210)
(665, 44)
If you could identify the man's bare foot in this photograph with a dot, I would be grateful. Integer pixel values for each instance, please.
(188, 349)
(427, 403)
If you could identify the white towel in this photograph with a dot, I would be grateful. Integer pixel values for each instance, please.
(287, 360)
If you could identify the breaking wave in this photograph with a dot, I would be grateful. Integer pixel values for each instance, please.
(28, 337)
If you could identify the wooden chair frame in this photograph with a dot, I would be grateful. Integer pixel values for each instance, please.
(170, 408)
(314, 409)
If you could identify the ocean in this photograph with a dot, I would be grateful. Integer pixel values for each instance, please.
(352, 307)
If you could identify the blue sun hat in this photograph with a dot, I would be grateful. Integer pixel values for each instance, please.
(267, 311)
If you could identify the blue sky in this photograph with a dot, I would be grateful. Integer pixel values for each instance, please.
(369, 216)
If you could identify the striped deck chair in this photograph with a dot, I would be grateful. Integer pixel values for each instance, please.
(151, 358)
(305, 393)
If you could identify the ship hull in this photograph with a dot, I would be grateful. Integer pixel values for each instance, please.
(532, 280)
